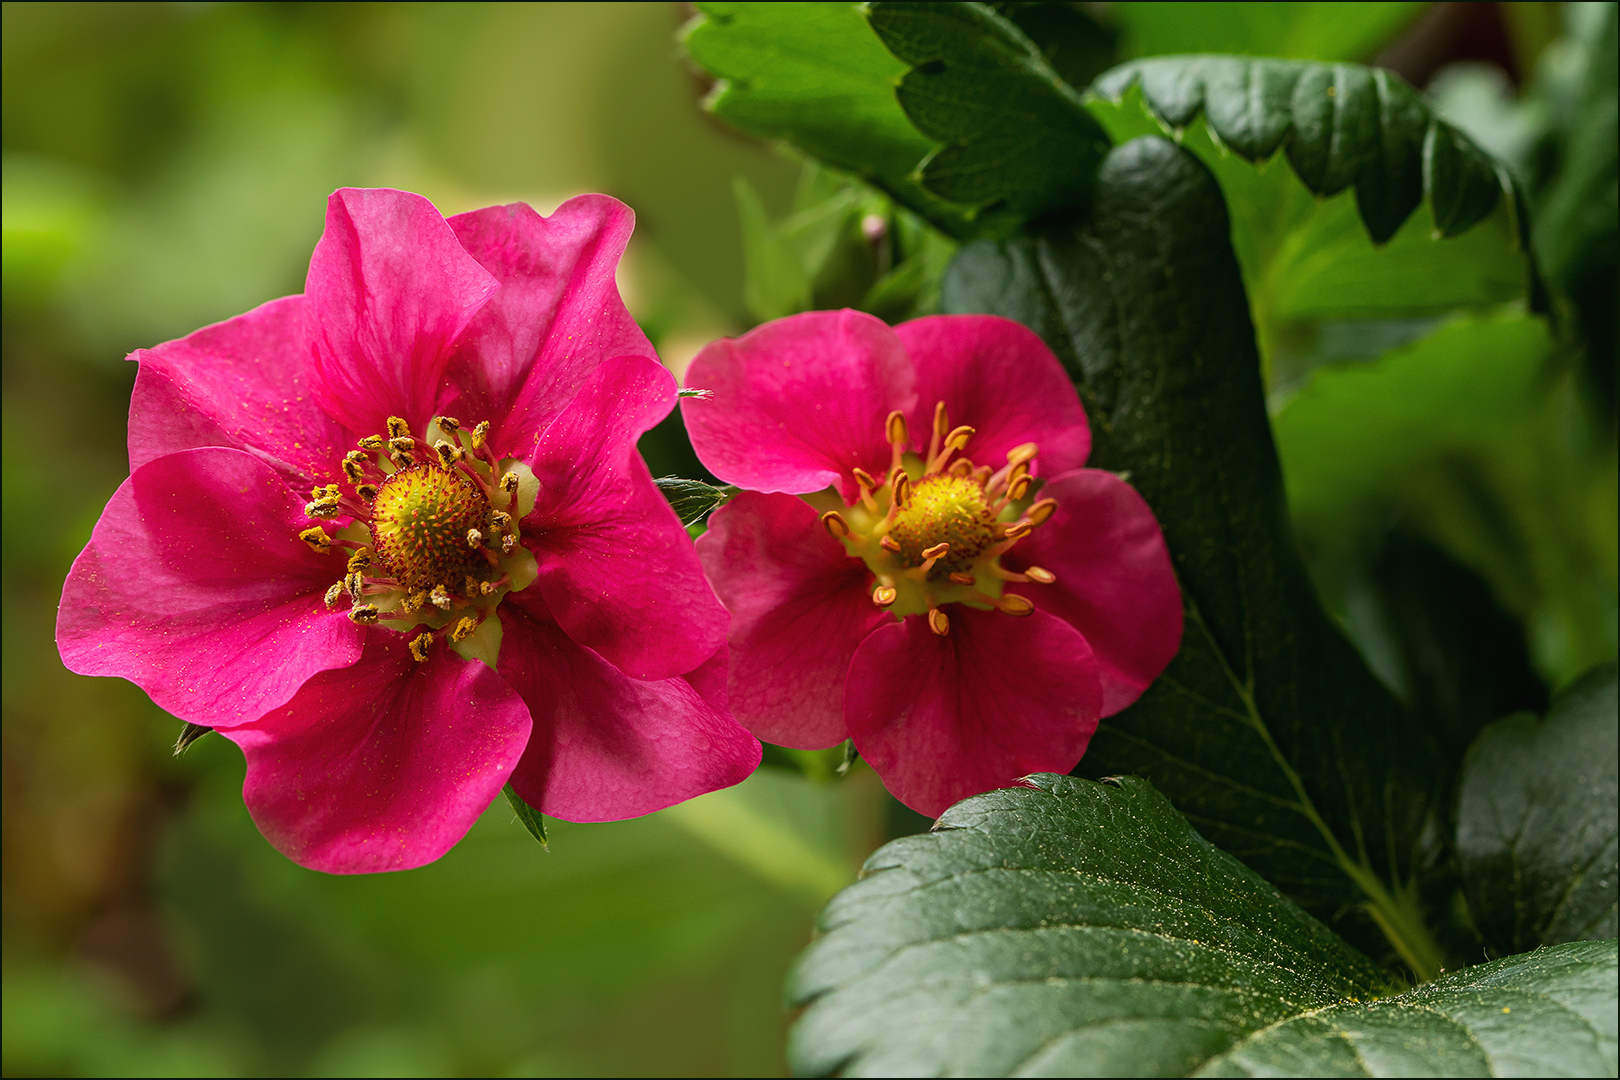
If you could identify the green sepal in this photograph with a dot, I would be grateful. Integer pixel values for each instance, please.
(528, 815)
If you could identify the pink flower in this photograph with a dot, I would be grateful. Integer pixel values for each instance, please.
(392, 612)
(921, 563)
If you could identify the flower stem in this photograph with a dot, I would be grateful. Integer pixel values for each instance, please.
(1397, 914)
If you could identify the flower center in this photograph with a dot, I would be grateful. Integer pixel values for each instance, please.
(433, 539)
(934, 530)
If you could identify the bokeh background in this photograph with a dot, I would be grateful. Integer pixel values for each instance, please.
(166, 166)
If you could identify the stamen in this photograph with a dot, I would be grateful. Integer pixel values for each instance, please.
(960, 578)
(899, 434)
(367, 492)
(365, 614)
(480, 435)
(884, 595)
(413, 603)
(864, 478)
(508, 544)
(354, 466)
(449, 425)
(1017, 530)
(835, 524)
(901, 485)
(509, 481)
(1013, 604)
(371, 443)
(398, 428)
(1022, 453)
(889, 543)
(475, 539)
(1041, 511)
(354, 583)
(1040, 575)
(464, 628)
(448, 455)
(441, 598)
(942, 425)
(360, 560)
(961, 468)
(402, 444)
(419, 647)
(938, 623)
(1019, 488)
(334, 594)
(317, 539)
(500, 519)
(933, 555)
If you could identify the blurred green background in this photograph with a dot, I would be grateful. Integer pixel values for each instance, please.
(166, 166)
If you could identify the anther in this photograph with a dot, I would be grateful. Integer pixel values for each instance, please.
(889, 543)
(864, 479)
(899, 434)
(449, 425)
(398, 428)
(354, 583)
(961, 467)
(354, 466)
(1040, 575)
(480, 435)
(1021, 453)
(448, 455)
(1018, 530)
(938, 623)
(367, 492)
(403, 460)
(334, 594)
(1041, 511)
(402, 444)
(884, 595)
(464, 628)
(902, 488)
(371, 443)
(958, 438)
(413, 602)
(1019, 487)
(441, 598)
(960, 578)
(475, 539)
(941, 423)
(509, 481)
(365, 614)
(360, 560)
(1013, 604)
(500, 519)
(317, 539)
(419, 647)
(939, 550)
(508, 544)
(321, 509)
(835, 524)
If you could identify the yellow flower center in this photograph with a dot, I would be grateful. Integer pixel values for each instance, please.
(933, 531)
(420, 521)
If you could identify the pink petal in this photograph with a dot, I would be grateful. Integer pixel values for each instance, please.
(556, 317)
(385, 765)
(246, 383)
(999, 378)
(196, 588)
(606, 746)
(389, 289)
(1114, 580)
(942, 718)
(799, 402)
(800, 607)
(617, 570)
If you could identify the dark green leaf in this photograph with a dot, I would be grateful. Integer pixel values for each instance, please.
(1340, 125)
(815, 75)
(1536, 822)
(1015, 134)
(528, 815)
(1083, 929)
(1267, 729)
(188, 735)
(1076, 45)
(1302, 31)
(692, 499)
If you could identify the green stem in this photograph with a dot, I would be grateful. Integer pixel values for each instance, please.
(1397, 914)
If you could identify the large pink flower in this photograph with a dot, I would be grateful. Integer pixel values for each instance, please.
(922, 564)
(394, 612)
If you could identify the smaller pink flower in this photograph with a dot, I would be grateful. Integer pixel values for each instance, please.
(921, 564)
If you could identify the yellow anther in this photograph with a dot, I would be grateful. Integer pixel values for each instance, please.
(1013, 604)
(902, 488)
(939, 550)
(1041, 511)
(321, 509)
(463, 629)
(938, 623)
(1018, 530)
(960, 468)
(899, 434)
(475, 539)
(889, 543)
(1013, 473)
(508, 544)
(364, 614)
(448, 455)
(441, 598)
(958, 438)
(864, 478)
(355, 584)
(1040, 575)
(404, 444)
(398, 428)
(884, 595)
(449, 425)
(419, 647)
(371, 443)
(941, 423)
(1022, 453)
(480, 435)
(367, 492)
(403, 460)
(317, 539)
(835, 524)
(487, 588)
(354, 470)
(413, 602)
(334, 594)
(960, 578)
(500, 519)
(1019, 487)
(360, 560)
(509, 482)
